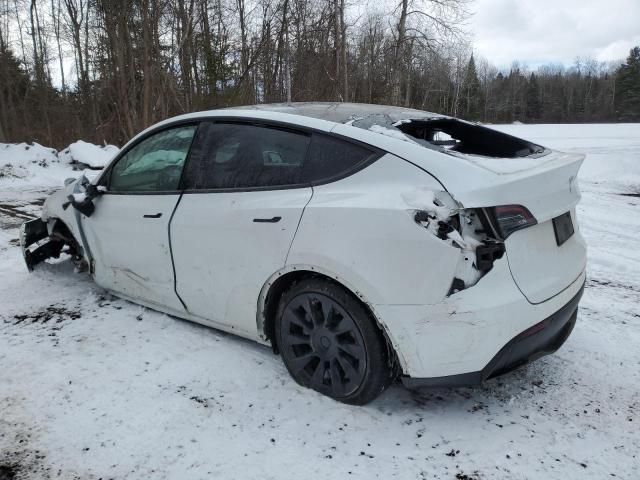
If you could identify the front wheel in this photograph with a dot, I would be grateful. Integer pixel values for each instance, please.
(330, 343)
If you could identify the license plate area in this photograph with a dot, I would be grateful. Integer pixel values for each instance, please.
(563, 228)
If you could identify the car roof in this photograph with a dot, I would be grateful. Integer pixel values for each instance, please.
(382, 123)
(349, 113)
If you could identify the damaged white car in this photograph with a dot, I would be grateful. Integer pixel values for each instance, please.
(361, 242)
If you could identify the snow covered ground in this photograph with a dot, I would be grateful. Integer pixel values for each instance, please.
(95, 387)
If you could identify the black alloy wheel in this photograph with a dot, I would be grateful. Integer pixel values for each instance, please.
(329, 342)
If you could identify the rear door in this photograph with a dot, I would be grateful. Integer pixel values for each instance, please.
(128, 234)
(242, 202)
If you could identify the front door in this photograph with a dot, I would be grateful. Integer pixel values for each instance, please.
(128, 234)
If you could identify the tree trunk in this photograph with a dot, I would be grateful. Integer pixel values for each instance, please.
(399, 54)
(146, 65)
(343, 48)
(55, 14)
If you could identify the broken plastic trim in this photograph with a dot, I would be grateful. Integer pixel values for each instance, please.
(467, 230)
(32, 233)
(469, 138)
(487, 254)
(38, 245)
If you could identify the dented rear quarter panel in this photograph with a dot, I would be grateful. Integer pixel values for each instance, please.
(362, 229)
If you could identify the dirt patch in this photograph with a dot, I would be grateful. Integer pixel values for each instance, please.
(49, 320)
(465, 476)
(57, 314)
(594, 282)
(14, 211)
(21, 463)
(12, 217)
(8, 472)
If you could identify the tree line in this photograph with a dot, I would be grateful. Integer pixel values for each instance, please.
(102, 70)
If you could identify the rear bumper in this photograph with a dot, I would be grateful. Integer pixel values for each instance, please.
(465, 332)
(541, 339)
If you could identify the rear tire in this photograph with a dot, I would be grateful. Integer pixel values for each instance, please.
(329, 342)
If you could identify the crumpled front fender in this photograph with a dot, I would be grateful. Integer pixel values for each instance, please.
(53, 206)
(56, 210)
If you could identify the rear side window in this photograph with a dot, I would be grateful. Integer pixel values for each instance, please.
(331, 157)
(229, 156)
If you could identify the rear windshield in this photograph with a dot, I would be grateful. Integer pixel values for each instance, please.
(468, 138)
(450, 134)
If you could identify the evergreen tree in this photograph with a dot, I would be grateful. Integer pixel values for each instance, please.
(532, 99)
(627, 98)
(14, 89)
(471, 85)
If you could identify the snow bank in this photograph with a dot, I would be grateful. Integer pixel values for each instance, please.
(22, 162)
(17, 160)
(93, 156)
(32, 163)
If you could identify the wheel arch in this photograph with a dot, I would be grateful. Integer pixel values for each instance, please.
(59, 229)
(283, 279)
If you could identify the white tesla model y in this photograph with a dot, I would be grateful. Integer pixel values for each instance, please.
(362, 242)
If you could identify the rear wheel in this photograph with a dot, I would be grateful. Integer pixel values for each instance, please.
(330, 343)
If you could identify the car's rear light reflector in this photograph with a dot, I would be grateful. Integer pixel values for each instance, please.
(511, 218)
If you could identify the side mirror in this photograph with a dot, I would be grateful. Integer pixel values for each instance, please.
(83, 201)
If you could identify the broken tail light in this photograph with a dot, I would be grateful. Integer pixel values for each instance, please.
(510, 218)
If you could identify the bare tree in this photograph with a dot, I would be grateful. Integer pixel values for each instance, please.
(55, 16)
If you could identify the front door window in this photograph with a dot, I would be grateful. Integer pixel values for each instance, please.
(155, 164)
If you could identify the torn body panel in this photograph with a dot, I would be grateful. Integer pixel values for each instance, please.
(460, 228)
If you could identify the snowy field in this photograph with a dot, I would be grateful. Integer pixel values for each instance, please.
(95, 387)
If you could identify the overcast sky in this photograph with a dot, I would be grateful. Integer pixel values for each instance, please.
(538, 32)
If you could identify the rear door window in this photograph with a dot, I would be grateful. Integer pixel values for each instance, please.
(331, 157)
(244, 156)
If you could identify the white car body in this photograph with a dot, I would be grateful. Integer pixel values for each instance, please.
(204, 258)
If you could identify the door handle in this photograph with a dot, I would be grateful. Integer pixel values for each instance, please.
(267, 220)
(157, 215)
